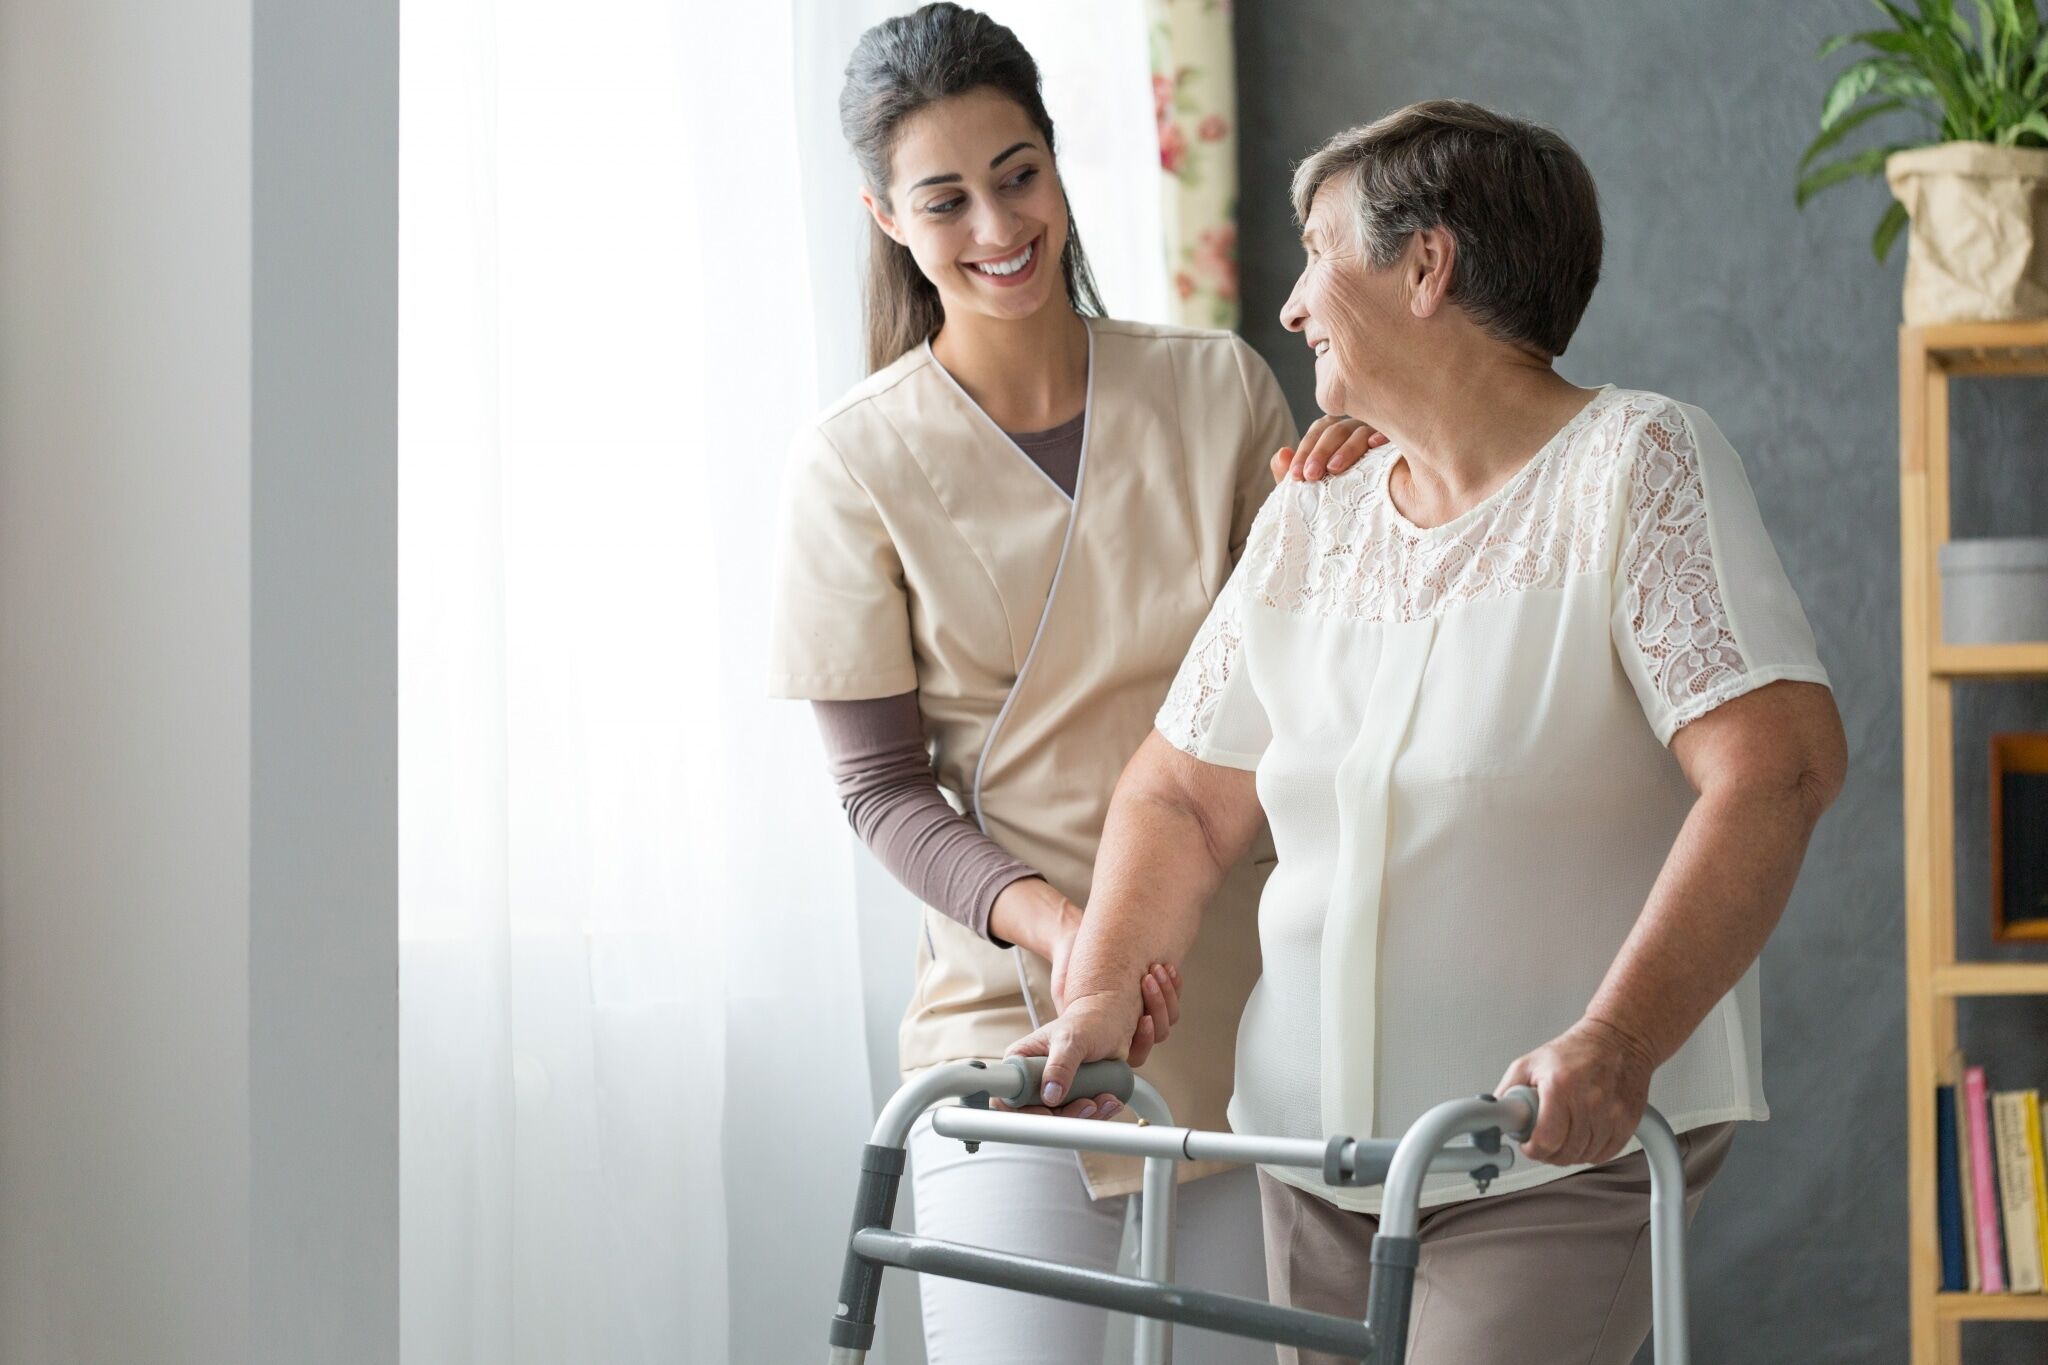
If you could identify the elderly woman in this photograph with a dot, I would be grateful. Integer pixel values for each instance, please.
(1538, 724)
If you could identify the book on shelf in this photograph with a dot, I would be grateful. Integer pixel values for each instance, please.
(1991, 1184)
(1983, 1192)
(1966, 1204)
(2018, 1209)
(1955, 1272)
(2032, 1118)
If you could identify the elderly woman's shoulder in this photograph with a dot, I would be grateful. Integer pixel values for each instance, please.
(1296, 503)
(1625, 422)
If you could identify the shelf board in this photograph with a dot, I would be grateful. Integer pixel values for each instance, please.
(2030, 1307)
(2019, 348)
(1992, 978)
(2028, 660)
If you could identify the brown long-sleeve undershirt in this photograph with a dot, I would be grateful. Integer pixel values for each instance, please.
(888, 788)
(891, 795)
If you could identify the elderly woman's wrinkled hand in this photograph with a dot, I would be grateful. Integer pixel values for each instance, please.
(1090, 1028)
(1592, 1084)
(1331, 445)
(1087, 1031)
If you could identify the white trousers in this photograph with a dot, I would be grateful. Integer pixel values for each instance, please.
(1031, 1201)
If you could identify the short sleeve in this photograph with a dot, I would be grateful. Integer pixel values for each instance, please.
(840, 612)
(1271, 427)
(1703, 610)
(1211, 712)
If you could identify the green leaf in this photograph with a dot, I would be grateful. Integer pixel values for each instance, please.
(1870, 161)
(1846, 126)
(1909, 86)
(1883, 39)
(1981, 82)
(2033, 125)
(1854, 82)
(2035, 77)
(1988, 35)
(1887, 230)
(1956, 23)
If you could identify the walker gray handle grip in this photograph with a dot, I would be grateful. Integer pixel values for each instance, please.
(1094, 1078)
(1522, 1094)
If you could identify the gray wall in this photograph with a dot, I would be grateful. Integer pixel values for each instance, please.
(198, 913)
(323, 606)
(124, 682)
(1779, 323)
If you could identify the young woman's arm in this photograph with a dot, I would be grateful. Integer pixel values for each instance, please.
(883, 773)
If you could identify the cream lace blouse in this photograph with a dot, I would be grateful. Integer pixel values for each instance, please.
(1459, 736)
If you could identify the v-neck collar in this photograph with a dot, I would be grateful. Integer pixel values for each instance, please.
(1087, 418)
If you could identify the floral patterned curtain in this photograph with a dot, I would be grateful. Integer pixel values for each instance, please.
(1194, 94)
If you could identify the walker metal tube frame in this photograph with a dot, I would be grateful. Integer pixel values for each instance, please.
(1400, 1165)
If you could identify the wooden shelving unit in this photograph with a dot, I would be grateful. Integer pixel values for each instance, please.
(1935, 980)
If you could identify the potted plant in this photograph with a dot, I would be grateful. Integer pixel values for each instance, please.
(1974, 186)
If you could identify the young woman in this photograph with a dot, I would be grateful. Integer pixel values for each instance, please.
(996, 550)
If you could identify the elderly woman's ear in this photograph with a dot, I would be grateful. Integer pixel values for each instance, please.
(1331, 445)
(1430, 259)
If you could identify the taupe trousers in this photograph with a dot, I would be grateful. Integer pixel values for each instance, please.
(1558, 1274)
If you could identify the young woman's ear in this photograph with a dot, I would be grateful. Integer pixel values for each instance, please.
(881, 216)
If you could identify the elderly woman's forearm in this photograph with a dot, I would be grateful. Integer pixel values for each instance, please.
(1721, 893)
(1174, 829)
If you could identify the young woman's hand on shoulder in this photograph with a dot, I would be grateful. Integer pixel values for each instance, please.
(1331, 445)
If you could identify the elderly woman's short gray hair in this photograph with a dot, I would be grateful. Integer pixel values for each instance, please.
(1514, 196)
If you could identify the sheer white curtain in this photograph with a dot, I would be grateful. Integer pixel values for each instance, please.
(645, 1006)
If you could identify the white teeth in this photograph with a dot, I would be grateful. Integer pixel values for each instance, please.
(1322, 348)
(1009, 267)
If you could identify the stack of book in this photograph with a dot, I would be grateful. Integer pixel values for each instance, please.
(1992, 1184)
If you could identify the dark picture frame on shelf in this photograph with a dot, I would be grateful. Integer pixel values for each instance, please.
(2019, 838)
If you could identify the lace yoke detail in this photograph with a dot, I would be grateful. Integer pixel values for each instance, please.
(1338, 549)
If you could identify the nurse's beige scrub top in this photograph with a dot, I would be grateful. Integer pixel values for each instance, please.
(922, 549)
(1470, 824)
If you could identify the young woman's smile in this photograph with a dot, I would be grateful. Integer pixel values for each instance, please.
(1012, 269)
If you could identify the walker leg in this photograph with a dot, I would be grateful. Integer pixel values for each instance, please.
(1155, 1256)
(1668, 1325)
(860, 1282)
(1390, 1294)
(1154, 1336)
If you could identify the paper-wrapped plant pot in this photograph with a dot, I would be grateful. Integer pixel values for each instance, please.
(1975, 246)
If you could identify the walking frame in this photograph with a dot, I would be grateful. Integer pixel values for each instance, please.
(1489, 1126)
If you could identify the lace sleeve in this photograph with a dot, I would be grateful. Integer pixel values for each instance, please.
(1211, 711)
(1703, 610)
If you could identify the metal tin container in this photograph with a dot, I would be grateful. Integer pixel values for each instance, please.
(1994, 591)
